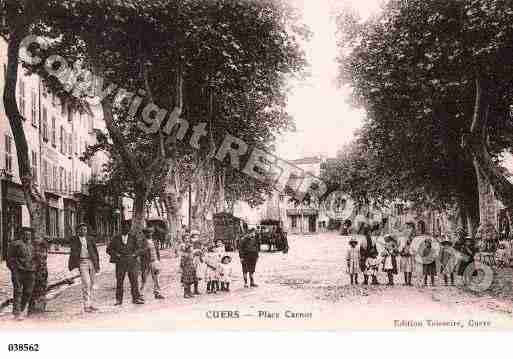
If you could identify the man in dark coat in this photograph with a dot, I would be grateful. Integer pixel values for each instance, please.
(84, 256)
(21, 264)
(248, 253)
(125, 250)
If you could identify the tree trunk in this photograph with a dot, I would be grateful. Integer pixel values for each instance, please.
(173, 203)
(34, 200)
(468, 209)
(476, 145)
(138, 210)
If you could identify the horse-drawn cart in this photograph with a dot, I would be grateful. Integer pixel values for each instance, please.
(228, 229)
(271, 234)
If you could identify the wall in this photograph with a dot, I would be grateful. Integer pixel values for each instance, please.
(60, 172)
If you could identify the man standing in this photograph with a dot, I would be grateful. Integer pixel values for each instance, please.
(150, 262)
(21, 264)
(248, 253)
(84, 256)
(124, 251)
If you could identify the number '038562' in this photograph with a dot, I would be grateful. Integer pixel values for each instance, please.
(23, 347)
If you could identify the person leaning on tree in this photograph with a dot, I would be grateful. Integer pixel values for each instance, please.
(248, 253)
(124, 251)
(84, 256)
(20, 262)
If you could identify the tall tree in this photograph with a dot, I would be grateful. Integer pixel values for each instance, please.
(419, 69)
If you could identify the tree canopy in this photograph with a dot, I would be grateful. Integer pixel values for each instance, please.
(416, 69)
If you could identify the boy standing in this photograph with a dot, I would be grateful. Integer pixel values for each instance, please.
(390, 259)
(353, 260)
(150, 261)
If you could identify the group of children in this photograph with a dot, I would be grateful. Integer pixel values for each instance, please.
(367, 260)
(208, 263)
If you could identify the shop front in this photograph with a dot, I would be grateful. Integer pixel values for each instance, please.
(302, 220)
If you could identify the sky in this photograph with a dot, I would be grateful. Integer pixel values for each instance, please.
(324, 119)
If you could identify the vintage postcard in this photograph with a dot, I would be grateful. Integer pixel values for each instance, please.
(256, 165)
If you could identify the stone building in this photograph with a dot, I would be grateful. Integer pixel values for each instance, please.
(297, 218)
(57, 137)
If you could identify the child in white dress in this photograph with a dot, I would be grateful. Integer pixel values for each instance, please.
(353, 260)
(211, 273)
(225, 273)
(372, 267)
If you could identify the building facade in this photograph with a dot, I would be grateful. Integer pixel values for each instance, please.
(307, 217)
(57, 137)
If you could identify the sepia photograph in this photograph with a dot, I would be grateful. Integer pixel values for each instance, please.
(255, 165)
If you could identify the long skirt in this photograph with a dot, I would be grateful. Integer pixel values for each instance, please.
(406, 264)
(248, 262)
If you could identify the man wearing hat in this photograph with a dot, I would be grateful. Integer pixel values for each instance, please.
(20, 262)
(249, 249)
(124, 251)
(150, 261)
(84, 256)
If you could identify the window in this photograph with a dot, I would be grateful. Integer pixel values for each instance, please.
(34, 166)
(63, 108)
(44, 125)
(294, 222)
(70, 115)
(70, 144)
(52, 223)
(75, 143)
(22, 97)
(46, 180)
(55, 177)
(8, 154)
(61, 179)
(61, 139)
(70, 189)
(54, 134)
(91, 123)
(33, 109)
(44, 91)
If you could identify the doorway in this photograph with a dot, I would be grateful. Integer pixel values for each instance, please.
(312, 221)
